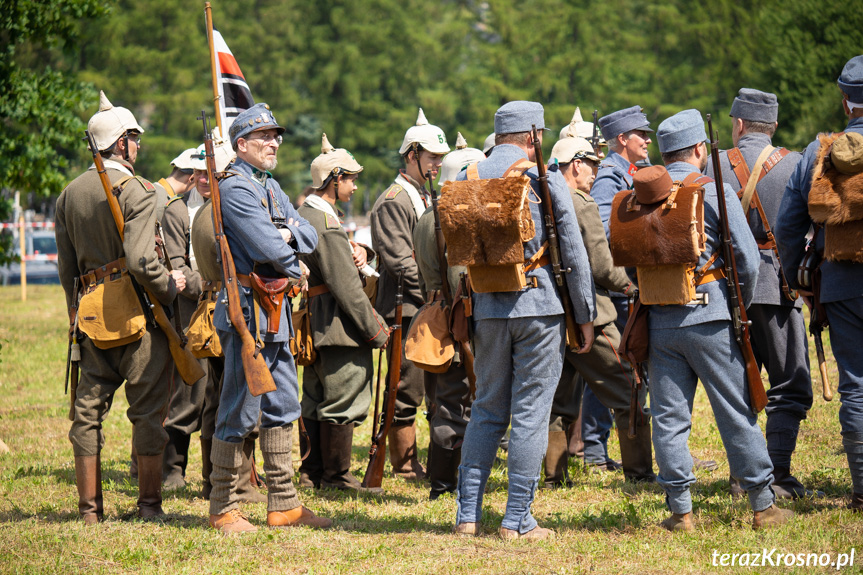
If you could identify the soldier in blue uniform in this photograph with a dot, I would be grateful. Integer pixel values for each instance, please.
(778, 330)
(519, 345)
(842, 285)
(265, 234)
(695, 342)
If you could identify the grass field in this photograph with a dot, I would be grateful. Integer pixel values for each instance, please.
(603, 524)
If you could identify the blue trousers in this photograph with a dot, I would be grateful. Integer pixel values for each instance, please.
(239, 409)
(679, 358)
(518, 365)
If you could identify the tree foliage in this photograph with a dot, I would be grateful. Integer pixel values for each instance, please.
(359, 70)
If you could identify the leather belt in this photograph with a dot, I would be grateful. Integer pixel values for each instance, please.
(711, 276)
(244, 280)
(94, 276)
(317, 290)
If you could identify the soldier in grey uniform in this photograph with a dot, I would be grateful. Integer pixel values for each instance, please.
(778, 331)
(451, 389)
(607, 374)
(205, 250)
(89, 247)
(695, 342)
(519, 344)
(184, 407)
(265, 235)
(393, 218)
(345, 328)
(842, 281)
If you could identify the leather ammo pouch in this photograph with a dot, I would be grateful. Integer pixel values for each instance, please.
(203, 341)
(110, 312)
(429, 344)
(836, 202)
(302, 345)
(485, 224)
(635, 341)
(662, 240)
(271, 296)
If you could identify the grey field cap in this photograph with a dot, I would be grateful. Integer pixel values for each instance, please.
(623, 121)
(518, 116)
(488, 144)
(851, 79)
(755, 106)
(258, 117)
(682, 130)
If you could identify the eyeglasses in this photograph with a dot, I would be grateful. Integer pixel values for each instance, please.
(267, 138)
(134, 137)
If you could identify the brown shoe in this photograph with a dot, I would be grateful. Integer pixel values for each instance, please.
(537, 533)
(296, 517)
(231, 522)
(771, 517)
(467, 529)
(679, 522)
(403, 453)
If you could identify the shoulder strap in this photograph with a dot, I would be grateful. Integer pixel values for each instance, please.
(472, 172)
(749, 187)
(741, 170)
(518, 168)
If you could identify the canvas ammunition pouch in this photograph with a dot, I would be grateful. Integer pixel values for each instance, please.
(429, 344)
(485, 224)
(203, 341)
(836, 202)
(663, 241)
(110, 312)
(269, 294)
(302, 345)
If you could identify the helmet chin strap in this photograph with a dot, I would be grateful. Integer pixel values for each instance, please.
(416, 148)
(126, 146)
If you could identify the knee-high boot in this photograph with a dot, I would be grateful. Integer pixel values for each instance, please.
(88, 479)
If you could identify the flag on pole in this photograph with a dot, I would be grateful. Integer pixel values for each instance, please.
(234, 93)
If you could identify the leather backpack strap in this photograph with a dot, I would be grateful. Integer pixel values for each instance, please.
(751, 183)
(518, 168)
(738, 164)
(472, 173)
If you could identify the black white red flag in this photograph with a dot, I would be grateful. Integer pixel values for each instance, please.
(234, 93)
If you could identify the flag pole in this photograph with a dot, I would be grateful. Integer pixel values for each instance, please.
(209, 17)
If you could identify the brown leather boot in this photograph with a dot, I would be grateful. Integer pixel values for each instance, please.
(636, 454)
(336, 443)
(576, 443)
(403, 453)
(312, 467)
(247, 492)
(88, 478)
(443, 473)
(133, 466)
(150, 486)
(556, 461)
(297, 517)
(175, 457)
(206, 468)
(679, 522)
(771, 517)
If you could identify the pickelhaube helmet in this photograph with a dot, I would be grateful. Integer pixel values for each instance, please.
(222, 150)
(332, 162)
(428, 136)
(110, 123)
(458, 159)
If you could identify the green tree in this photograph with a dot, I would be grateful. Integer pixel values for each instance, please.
(40, 101)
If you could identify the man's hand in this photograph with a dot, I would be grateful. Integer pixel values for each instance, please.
(286, 233)
(587, 337)
(179, 279)
(359, 253)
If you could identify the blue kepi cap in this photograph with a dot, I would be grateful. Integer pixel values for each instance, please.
(258, 117)
(682, 130)
(518, 116)
(851, 79)
(623, 121)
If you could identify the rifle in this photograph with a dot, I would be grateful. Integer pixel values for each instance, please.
(742, 325)
(187, 365)
(160, 243)
(463, 350)
(377, 453)
(572, 333)
(73, 354)
(258, 375)
(594, 139)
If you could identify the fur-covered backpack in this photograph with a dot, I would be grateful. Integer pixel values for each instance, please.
(485, 223)
(836, 196)
(658, 228)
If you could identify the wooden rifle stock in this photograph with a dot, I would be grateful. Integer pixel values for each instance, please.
(594, 139)
(187, 365)
(742, 325)
(817, 323)
(258, 375)
(572, 333)
(378, 452)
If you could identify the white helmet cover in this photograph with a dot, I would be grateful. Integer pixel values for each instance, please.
(332, 159)
(110, 123)
(428, 136)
